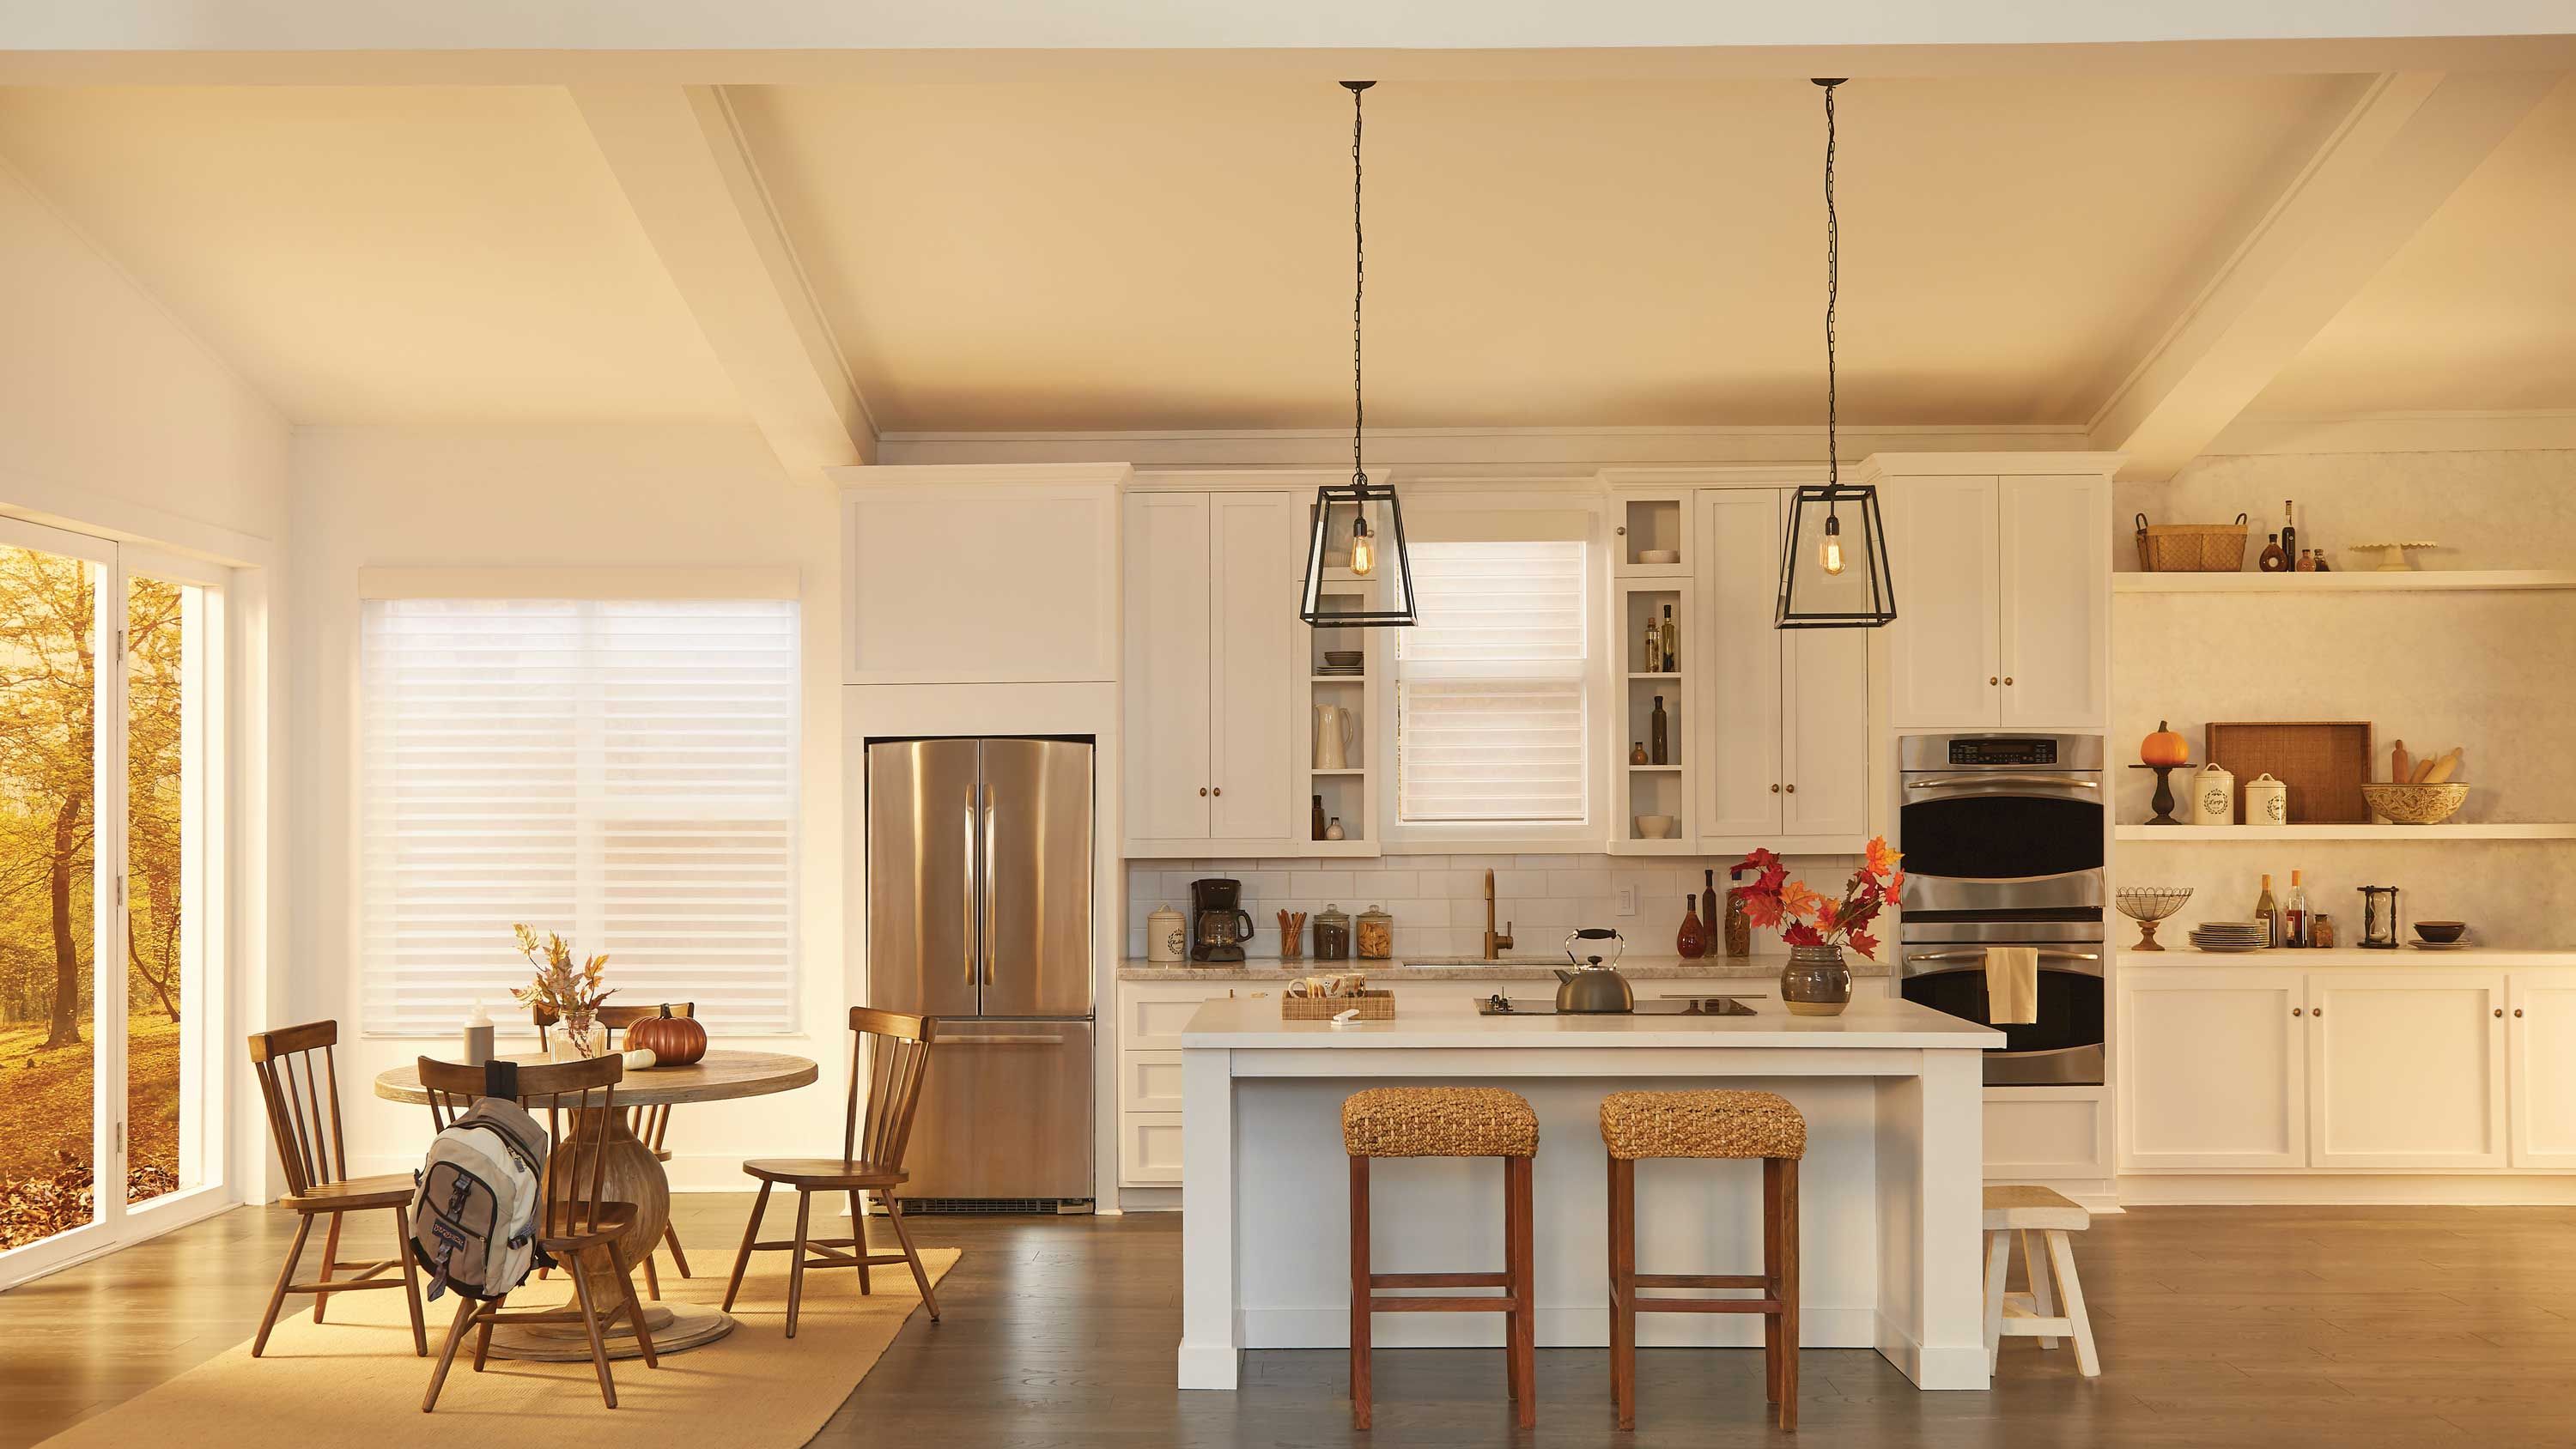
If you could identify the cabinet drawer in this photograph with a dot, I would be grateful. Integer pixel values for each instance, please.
(2044, 1137)
(1150, 1017)
(1149, 1149)
(1149, 1081)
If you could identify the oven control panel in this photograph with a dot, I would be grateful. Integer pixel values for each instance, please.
(2032, 750)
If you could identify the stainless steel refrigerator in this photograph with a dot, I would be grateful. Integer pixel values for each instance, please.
(979, 913)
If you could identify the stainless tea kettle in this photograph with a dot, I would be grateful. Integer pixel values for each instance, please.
(1591, 986)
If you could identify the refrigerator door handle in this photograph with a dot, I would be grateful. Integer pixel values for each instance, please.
(952, 1039)
(974, 885)
(992, 922)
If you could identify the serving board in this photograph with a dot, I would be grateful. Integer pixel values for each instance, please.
(2324, 762)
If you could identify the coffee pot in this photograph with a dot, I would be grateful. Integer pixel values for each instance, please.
(1218, 923)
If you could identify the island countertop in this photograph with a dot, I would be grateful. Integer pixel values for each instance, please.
(1758, 966)
(1254, 1023)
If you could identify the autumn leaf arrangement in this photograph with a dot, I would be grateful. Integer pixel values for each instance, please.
(1805, 917)
(572, 993)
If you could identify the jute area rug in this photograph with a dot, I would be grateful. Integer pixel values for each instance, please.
(354, 1380)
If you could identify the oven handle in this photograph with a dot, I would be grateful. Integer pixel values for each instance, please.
(2085, 963)
(1972, 782)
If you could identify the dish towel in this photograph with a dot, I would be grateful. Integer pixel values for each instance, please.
(2012, 985)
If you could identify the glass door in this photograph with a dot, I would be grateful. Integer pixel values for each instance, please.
(109, 1097)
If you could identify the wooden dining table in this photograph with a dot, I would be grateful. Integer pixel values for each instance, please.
(634, 1175)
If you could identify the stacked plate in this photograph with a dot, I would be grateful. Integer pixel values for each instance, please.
(2230, 936)
(1343, 662)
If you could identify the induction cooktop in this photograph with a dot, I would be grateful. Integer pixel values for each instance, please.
(1501, 1005)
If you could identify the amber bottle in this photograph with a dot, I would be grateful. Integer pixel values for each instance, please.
(1692, 943)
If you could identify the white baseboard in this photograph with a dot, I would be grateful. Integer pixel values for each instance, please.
(1330, 1327)
(2347, 1189)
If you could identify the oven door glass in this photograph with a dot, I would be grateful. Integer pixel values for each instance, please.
(1999, 837)
(2070, 1007)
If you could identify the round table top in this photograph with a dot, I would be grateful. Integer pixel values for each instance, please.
(716, 1077)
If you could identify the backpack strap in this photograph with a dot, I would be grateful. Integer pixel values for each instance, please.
(501, 1078)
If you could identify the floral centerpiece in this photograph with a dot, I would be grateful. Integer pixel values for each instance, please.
(572, 993)
(1817, 926)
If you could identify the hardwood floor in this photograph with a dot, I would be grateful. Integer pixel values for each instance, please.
(2270, 1327)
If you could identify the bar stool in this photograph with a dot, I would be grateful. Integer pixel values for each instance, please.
(2052, 1215)
(1446, 1122)
(1712, 1124)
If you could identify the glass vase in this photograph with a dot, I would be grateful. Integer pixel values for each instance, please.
(576, 1038)
(1816, 982)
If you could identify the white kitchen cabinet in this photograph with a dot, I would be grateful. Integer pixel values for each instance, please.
(2541, 1060)
(2053, 609)
(2213, 1069)
(1944, 654)
(2406, 1069)
(1787, 710)
(1211, 671)
(2002, 599)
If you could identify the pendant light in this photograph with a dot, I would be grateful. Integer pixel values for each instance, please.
(1365, 514)
(1820, 590)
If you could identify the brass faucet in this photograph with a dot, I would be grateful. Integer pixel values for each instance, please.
(1495, 944)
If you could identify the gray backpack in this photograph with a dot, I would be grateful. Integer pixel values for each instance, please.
(475, 1201)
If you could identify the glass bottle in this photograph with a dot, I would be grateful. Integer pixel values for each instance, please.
(2273, 560)
(1659, 730)
(1654, 655)
(1739, 922)
(1692, 942)
(1708, 901)
(1637, 752)
(2268, 914)
(2294, 911)
(2289, 530)
(1316, 824)
(2307, 561)
(1669, 653)
(2321, 932)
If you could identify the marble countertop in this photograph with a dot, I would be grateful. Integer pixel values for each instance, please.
(1241, 1022)
(1759, 965)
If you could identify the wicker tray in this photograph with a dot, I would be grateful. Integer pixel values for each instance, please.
(2191, 548)
(2324, 763)
(1371, 1005)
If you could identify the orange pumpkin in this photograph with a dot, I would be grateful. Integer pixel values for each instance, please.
(675, 1041)
(2164, 747)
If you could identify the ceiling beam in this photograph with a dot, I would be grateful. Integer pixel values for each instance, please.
(2384, 165)
(689, 175)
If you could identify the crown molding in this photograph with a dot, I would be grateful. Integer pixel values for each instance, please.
(2400, 432)
(1573, 450)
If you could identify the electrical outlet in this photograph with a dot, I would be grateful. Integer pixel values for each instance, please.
(1624, 900)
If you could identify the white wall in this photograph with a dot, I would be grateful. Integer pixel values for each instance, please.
(677, 496)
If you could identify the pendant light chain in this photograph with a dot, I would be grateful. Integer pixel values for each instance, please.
(1359, 284)
(1833, 294)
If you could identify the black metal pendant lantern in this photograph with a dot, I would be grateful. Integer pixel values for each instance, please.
(1824, 591)
(1357, 533)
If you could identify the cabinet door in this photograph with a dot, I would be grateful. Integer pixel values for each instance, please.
(1825, 752)
(2541, 1093)
(1166, 697)
(1942, 660)
(1259, 553)
(2054, 599)
(2213, 1070)
(1738, 660)
(2406, 1069)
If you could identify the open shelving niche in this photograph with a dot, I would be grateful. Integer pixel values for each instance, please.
(1653, 789)
(1349, 793)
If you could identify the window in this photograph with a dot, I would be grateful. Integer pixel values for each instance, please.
(1490, 685)
(621, 772)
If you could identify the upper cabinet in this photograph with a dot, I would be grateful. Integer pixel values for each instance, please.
(2003, 598)
(1213, 674)
(980, 575)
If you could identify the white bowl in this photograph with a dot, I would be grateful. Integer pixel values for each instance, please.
(1656, 827)
(1659, 555)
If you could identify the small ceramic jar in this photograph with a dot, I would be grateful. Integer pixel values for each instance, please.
(2213, 796)
(1377, 935)
(1167, 935)
(2267, 801)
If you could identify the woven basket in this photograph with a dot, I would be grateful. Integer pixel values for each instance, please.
(2417, 804)
(2191, 548)
(1371, 1006)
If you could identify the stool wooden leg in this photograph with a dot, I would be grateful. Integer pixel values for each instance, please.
(1787, 1289)
(2042, 1301)
(1521, 1368)
(1360, 1291)
(2061, 1256)
(1998, 1257)
(1623, 1289)
(1771, 1247)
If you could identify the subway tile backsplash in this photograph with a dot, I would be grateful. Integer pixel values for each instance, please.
(1438, 901)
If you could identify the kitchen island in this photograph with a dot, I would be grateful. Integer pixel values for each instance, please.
(1890, 1191)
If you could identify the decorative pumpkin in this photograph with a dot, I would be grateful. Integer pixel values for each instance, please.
(2164, 747)
(675, 1041)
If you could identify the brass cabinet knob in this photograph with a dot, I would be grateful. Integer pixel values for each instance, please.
(1793, 789)
(2319, 1013)
(1203, 792)
(2517, 1011)
(2294, 1011)
(1220, 789)
(2499, 1013)
(1990, 679)
(2007, 679)
(1775, 789)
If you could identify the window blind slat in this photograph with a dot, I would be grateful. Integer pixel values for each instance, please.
(1489, 690)
(623, 772)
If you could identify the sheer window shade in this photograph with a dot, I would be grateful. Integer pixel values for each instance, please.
(1489, 687)
(622, 772)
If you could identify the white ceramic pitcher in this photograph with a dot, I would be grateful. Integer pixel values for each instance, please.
(1332, 737)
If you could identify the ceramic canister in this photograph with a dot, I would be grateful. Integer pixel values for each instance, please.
(2213, 796)
(1167, 935)
(2267, 801)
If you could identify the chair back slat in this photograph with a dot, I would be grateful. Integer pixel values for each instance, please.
(890, 1052)
(583, 1093)
(299, 1081)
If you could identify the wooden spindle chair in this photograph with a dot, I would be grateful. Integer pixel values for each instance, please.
(889, 1056)
(651, 1125)
(577, 1225)
(299, 1078)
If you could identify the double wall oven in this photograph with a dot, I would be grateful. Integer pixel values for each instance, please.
(2003, 838)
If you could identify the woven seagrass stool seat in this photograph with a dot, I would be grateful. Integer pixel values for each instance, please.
(1446, 1122)
(1707, 1125)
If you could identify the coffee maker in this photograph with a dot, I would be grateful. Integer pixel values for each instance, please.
(1218, 923)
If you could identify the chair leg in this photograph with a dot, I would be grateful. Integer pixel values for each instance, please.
(2061, 1256)
(2042, 1301)
(796, 1261)
(483, 1332)
(1789, 1294)
(920, 1275)
(1998, 1258)
(411, 1284)
(1523, 1329)
(447, 1352)
(859, 1238)
(578, 1270)
(1771, 1278)
(671, 1240)
(1360, 1291)
(634, 1307)
(1623, 1289)
(285, 1275)
(652, 1280)
(750, 1235)
(330, 1255)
